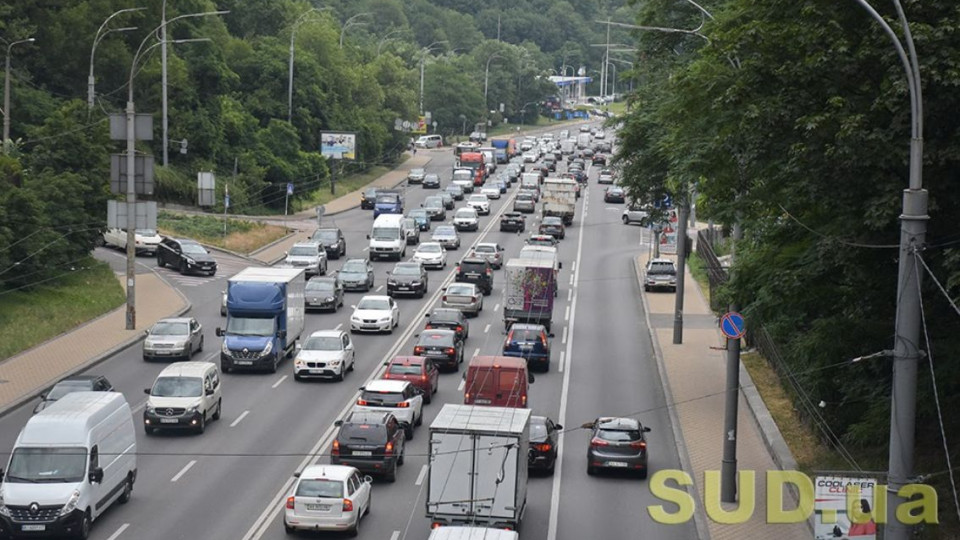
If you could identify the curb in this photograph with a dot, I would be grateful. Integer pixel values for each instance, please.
(271, 244)
(122, 346)
(699, 518)
(229, 252)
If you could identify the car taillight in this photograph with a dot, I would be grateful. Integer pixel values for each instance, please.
(450, 350)
(543, 340)
(598, 442)
(423, 378)
(444, 298)
(473, 298)
(418, 350)
(457, 269)
(386, 375)
(523, 400)
(290, 501)
(404, 404)
(427, 327)
(466, 397)
(361, 402)
(335, 449)
(638, 444)
(347, 505)
(544, 447)
(459, 328)
(489, 271)
(389, 448)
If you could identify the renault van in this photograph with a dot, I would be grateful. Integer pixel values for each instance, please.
(71, 461)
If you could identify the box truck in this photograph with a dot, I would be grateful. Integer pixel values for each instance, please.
(529, 288)
(559, 198)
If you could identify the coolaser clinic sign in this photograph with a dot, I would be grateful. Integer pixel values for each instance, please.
(831, 517)
(338, 145)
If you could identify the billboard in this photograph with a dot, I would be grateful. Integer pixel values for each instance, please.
(338, 145)
(831, 517)
(420, 126)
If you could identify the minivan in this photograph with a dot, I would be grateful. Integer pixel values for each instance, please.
(499, 381)
(185, 395)
(429, 141)
(387, 238)
(70, 462)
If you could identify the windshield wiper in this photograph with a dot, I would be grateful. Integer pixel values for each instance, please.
(12, 478)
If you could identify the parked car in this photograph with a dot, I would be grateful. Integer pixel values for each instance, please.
(185, 395)
(491, 251)
(614, 194)
(543, 444)
(476, 270)
(407, 278)
(173, 339)
(463, 296)
(449, 319)
(356, 275)
(332, 240)
(530, 342)
(465, 219)
(416, 175)
(442, 346)
(660, 274)
(145, 240)
(513, 222)
(375, 314)
(480, 203)
(327, 498)
(373, 442)
(447, 236)
(324, 293)
(326, 354)
(398, 397)
(187, 256)
(71, 384)
(431, 255)
(431, 181)
(418, 371)
(553, 226)
(368, 199)
(617, 443)
(311, 256)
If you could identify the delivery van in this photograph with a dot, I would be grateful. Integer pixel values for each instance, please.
(70, 462)
(498, 381)
(387, 238)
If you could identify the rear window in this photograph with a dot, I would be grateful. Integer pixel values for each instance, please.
(332, 489)
(473, 267)
(378, 398)
(431, 339)
(363, 433)
(661, 268)
(524, 335)
(619, 435)
(401, 369)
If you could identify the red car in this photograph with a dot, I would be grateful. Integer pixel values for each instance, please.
(419, 371)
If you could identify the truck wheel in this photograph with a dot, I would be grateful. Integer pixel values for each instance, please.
(273, 365)
(127, 491)
(202, 426)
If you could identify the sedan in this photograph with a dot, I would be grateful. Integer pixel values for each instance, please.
(375, 314)
(542, 240)
(323, 293)
(491, 251)
(431, 181)
(553, 226)
(441, 346)
(69, 385)
(447, 236)
(173, 339)
(543, 444)
(614, 194)
(407, 278)
(328, 498)
(617, 443)
(356, 275)
(449, 319)
(431, 255)
(463, 296)
(480, 203)
(599, 159)
(416, 176)
(513, 221)
(455, 191)
(490, 191)
(325, 354)
(418, 371)
(420, 216)
(466, 220)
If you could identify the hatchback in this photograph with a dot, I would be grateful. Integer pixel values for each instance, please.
(660, 274)
(448, 319)
(327, 498)
(543, 444)
(529, 341)
(416, 176)
(553, 226)
(614, 194)
(463, 296)
(513, 221)
(491, 252)
(418, 371)
(542, 240)
(524, 203)
(370, 441)
(431, 181)
(356, 274)
(466, 219)
(448, 202)
(323, 293)
(421, 217)
(617, 443)
(605, 177)
(456, 191)
(441, 346)
(480, 203)
(435, 208)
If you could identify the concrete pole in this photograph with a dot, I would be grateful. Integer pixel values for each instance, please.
(131, 211)
(728, 467)
(163, 76)
(681, 267)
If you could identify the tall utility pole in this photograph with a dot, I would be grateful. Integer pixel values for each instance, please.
(163, 77)
(91, 80)
(606, 60)
(6, 92)
(681, 266)
(423, 59)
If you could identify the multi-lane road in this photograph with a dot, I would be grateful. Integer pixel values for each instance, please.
(230, 482)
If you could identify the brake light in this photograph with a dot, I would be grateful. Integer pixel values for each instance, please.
(489, 271)
(444, 298)
(450, 350)
(598, 442)
(418, 350)
(386, 374)
(543, 340)
(466, 397)
(361, 402)
(523, 400)
(403, 405)
(459, 328)
(335, 449)
(638, 444)
(427, 327)
(290, 503)
(457, 270)
(347, 505)
(544, 447)
(389, 448)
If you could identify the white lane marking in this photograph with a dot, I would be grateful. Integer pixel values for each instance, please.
(487, 329)
(573, 265)
(564, 392)
(476, 352)
(496, 307)
(396, 534)
(421, 476)
(337, 327)
(571, 280)
(279, 381)
(463, 382)
(119, 531)
(566, 314)
(569, 294)
(380, 288)
(184, 470)
(366, 248)
(563, 356)
(564, 340)
(244, 415)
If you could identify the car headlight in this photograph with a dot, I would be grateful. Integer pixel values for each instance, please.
(148, 344)
(71, 503)
(4, 511)
(328, 299)
(383, 319)
(223, 348)
(354, 318)
(191, 261)
(267, 349)
(180, 345)
(391, 282)
(151, 410)
(415, 283)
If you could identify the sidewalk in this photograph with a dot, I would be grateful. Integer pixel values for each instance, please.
(694, 375)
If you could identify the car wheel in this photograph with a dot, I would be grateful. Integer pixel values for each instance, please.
(273, 365)
(216, 415)
(408, 433)
(428, 397)
(200, 348)
(391, 476)
(353, 364)
(643, 474)
(420, 419)
(297, 377)
(339, 376)
(159, 261)
(202, 426)
(369, 504)
(84, 530)
(626, 220)
(127, 491)
(224, 368)
(288, 529)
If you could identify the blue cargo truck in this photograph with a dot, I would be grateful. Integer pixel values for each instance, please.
(265, 309)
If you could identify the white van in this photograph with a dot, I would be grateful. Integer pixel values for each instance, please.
(584, 140)
(490, 158)
(472, 533)
(186, 395)
(70, 463)
(429, 141)
(387, 239)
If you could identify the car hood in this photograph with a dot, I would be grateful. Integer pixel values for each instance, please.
(371, 313)
(154, 340)
(404, 278)
(200, 257)
(42, 494)
(320, 294)
(182, 402)
(443, 237)
(352, 276)
(424, 256)
(251, 343)
(320, 356)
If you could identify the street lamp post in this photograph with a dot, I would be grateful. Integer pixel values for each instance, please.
(6, 92)
(386, 38)
(486, 79)
(91, 80)
(293, 34)
(352, 21)
(423, 58)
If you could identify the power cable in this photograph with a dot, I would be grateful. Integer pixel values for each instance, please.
(835, 238)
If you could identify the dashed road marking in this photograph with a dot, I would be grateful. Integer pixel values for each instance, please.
(118, 532)
(487, 329)
(279, 381)
(564, 339)
(563, 356)
(184, 470)
(244, 415)
(421, 476)
(463, 382)
(496, 307)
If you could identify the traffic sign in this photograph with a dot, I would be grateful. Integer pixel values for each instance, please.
(732, 325)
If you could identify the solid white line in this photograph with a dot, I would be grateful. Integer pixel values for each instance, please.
(337, 327)
(476, 352)
(566, 314)
(496, 307)
(569, 294)
(563, 356)
(279, 381)
(396, 534)
(421, 476)
(487, 329)
(564, 340)
(366, 248)
(245, 413)
(184, 470)
(463, 382)
(119, 531)
(380, 288)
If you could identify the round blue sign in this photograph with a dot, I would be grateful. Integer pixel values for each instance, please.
(732, 325)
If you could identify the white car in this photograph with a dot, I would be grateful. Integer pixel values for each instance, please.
(490, 191)
(530, 157)
(145, 240)
(311, 256)
(375, 314)
(635, 214)
(466, 219)
(431, 255)
(325, 354)
(480, 203)
(466, 185)
(327, 498)
(185, 395)
(401, 398)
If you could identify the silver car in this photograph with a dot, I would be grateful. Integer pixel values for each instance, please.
(463, 296)
(524, 203)
(415, 176)
(491, 251)
(311, 256)
(173, 339)
(447, 236)
(635, 214)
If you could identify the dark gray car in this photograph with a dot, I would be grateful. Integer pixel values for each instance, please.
(356, 275)
(74, 383)
(332, 240)
(407, 278)
(324, 293)
(617, 443)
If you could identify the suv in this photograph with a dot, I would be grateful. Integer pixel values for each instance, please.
(513, 221)
(478, 271)
(660, 274)
(184, 396)
(449, 319)
(186, 256)
(332, 240)
(311, 256)
(529, 341)
(398, 397)
(371, 442)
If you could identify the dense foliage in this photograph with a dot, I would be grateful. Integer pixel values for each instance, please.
(357, 66)
(794, 118)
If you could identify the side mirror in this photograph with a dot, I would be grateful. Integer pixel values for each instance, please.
(146, 332)
(208, 391)
(281, 334)
(551, 335)
(285, 253)
(368, 237)
(557, 427)
(560, 266)
(1, 474)
(219, 332)
(43, 396)
(646, 429)
(367, 479)
(146, 391)
(96, 475)
(296, 475)
(338, 423)
(426, 315)
(362, 388)
(297, 347)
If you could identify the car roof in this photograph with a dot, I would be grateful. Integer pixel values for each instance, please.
(367, 417)
(661, 261)
(186, 369)
(307, 244)
(453, 312)
(327, 333)
(327, 472)
(363, 259)
(527, 326)
(439, 331)
(386, 385)
(618, 423)
(474, 260)
(175, 320)
(374, 297)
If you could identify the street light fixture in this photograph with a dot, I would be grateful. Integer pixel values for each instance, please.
(486, 78)
(91, 81)
(423, 58)
(293, 34)
(352, 21)
(6, 92)
(386, 38)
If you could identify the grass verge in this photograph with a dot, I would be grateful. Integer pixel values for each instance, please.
(31, 316)
(242, 236)
(346, 184)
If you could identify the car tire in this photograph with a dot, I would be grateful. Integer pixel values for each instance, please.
(127, 491)
(643, 474)
(391, 476)
(428, 397)
(183, 267)
(216, 415)
(159, 261)
(273, 365)
(591, 470)
(626, 220)
(408, 433)
(203, 423)
(419, 421)
(200, 348)
(339, 376)
(83, 532)
(224, 368)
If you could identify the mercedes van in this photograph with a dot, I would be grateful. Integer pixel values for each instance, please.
(387, 239)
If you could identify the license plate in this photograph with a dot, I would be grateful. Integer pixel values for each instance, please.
(482, 401)
(403, 288)
(169, 420)
(316, 371)
(362, 453)
(616, 464)
(318, 507)
(526, 347)
(33, 528)
(244, 362)
(472, 274)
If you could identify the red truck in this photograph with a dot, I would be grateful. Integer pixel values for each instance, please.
(474, 160)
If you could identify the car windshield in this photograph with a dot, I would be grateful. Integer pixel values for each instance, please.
(461, 290)
(170, 329)
(190, 247)
(524, 197)
(417, 172)
(434, 339)
(145, 232)
(303, 251)
(404, 369)
(387, 199)
(374, 303)
(47, 465)
(320, 285)
(370, 193)
(422, 214)
(409, 223)
(406, 270)
(321, 489)
(357, 432)
(326, 235)
(432, 177)
(177, 387)
(661, 269)
(445, 316)
(445, 231)
(466, 213)
(323, 343)
(433, 202)
(619, 435)
(430, 248)
(382, 397)
(462, 175)
(65, 387)
(479, 198)
(385, 233)
(250, 326)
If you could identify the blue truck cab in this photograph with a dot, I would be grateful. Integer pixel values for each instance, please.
(389, 201)
(265, 312)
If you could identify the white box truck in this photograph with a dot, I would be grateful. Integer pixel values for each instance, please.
(477, 471)
(559, 198)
